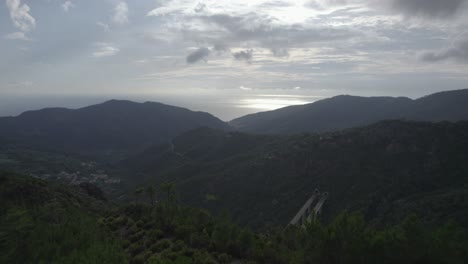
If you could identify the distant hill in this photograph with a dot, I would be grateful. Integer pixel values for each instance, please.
(386, 170)
(110, 129)
(343, 112)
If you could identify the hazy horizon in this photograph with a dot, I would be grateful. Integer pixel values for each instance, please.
(225, 109)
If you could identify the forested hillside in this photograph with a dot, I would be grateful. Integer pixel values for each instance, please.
(108, 131)
(42, 222)
(342, 112)
(385, 171)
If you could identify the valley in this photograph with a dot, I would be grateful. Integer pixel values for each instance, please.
(148, 177)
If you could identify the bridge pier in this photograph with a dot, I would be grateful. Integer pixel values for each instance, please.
(312, 208)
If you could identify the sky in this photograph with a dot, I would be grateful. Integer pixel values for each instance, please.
(227, 57)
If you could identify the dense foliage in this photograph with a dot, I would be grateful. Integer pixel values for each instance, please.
(385, 171)
(31, 159)
(45, 223)
(167, 233)
(41, 222)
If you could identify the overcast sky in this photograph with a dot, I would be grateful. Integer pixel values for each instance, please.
(249, 54)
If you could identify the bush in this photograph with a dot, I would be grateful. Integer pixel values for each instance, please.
(224, 258)
(179, 245)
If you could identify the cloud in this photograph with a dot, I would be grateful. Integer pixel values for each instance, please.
(16, 36)
(20, 16)
(220, 47)
(120, 13)
(279, 52)
(199, 7)
(103, 26)
(67, 5)
(323, 4)
(458, 51)
(408, 8)
(244, 55)
(248, 27)
(198, 55)
(429, 8)
(20, 84)
(243, 88)
(105, 50)
(265, 32)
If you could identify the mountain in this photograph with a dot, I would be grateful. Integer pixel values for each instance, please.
(386, 171)
(110, 129)
(343, 112)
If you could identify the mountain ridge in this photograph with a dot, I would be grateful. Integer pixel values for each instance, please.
(115, 126)
(345, 111)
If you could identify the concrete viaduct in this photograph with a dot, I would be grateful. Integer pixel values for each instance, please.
(311, 209)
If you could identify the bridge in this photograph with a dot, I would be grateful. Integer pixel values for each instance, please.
(311, 209)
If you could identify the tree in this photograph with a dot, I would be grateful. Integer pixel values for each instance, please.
(151, 194)
(138, 192)
(169, 189)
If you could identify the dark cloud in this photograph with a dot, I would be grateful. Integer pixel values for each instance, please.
(264, 32)
(220, 47)
(255, 30)
(458, 51)
(409, 8)
(198, 55)
(244, 55)
(429, 8)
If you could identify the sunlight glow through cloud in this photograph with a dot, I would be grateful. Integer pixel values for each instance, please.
(270, 103)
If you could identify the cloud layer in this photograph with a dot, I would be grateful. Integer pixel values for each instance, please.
(457, 51)
(429, 8)
(16, 35)
(105, 50)
(411, 8)
(223, 47)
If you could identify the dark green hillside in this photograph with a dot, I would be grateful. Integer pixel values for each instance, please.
(29, 159)
(172, 234)
(49, 164)
(449, 106)
(109, 130)
(386, 171)
(342, 112)
(42, 222)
